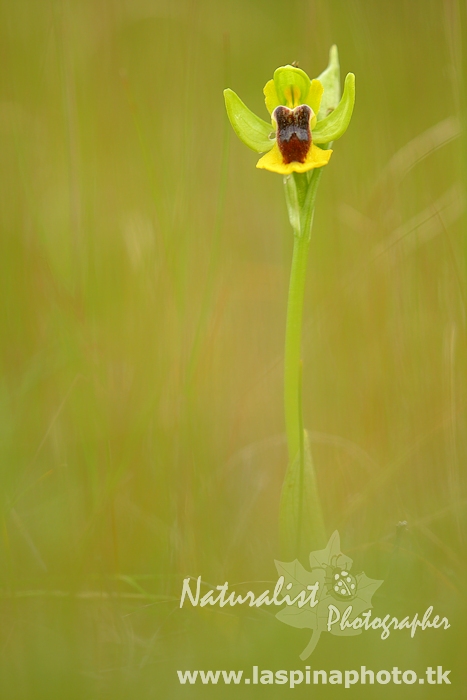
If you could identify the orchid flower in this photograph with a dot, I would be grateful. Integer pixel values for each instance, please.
(305, 118)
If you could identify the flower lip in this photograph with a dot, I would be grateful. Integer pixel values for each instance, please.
(293, 132)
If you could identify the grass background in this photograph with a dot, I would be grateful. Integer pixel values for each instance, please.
(144, 272)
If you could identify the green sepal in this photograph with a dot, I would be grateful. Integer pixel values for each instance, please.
(250, 129)
(335, 125)
(288, 77)
(330, 79)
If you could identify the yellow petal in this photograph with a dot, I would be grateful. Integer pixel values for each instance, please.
(273, 161)
(314, 96)
(270, 94)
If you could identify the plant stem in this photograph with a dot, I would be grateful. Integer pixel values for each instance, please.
(293, 333)
(293, 341)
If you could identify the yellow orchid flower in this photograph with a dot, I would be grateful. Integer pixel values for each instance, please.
(304, 115)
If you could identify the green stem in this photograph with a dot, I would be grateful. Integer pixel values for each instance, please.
(293, 341)
(293, 333)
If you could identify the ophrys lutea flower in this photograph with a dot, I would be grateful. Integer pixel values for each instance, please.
(306, 116)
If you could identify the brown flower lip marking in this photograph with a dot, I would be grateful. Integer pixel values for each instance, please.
(293, 132)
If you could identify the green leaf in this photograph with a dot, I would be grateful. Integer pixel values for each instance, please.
(250, 129)
(293, 203)
(335, 125)
(296, 188)
(300, 516)
(330, 79)
(308, 206)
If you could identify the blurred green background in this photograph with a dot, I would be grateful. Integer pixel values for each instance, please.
(144, 273)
